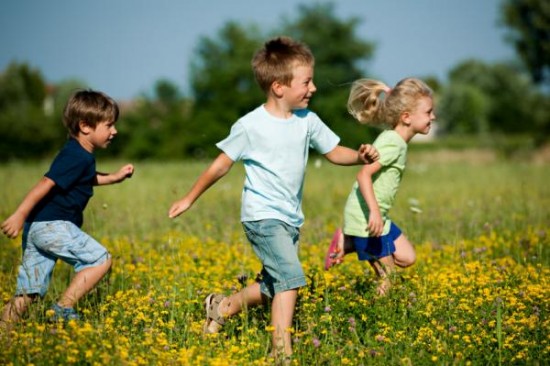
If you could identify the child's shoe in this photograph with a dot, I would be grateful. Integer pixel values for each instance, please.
(65, 314)
(335, 251)
(214, 319)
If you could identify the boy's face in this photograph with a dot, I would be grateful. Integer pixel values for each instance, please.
(301, 88)
(102, 134)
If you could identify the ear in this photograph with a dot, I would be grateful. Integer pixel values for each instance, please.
(405, 118)
(84, 127)
(277, 88)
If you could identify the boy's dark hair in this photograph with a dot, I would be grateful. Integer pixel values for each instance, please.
(91, 107)
(276, 60)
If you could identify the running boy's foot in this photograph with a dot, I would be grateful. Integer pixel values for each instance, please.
(214, 319)
(335, 252)
(65, 314)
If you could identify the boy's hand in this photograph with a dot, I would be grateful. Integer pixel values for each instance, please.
(126, 171)
(178, 208)
(368, 153)
(13, 224)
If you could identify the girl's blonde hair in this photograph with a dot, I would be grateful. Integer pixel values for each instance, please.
(373, 102)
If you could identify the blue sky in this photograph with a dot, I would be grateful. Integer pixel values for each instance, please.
(123, 46)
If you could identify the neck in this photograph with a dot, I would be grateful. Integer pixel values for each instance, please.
(86, 145)
(277, 109)
(404, 132)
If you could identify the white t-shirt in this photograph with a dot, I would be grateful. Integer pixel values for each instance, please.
(275, 152)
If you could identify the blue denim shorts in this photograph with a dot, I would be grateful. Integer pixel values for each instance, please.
(46, 242)
(276, 244)
(373, 248)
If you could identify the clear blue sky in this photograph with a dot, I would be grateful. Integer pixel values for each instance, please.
(123, 46)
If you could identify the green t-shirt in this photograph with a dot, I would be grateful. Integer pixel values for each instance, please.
(393, 157)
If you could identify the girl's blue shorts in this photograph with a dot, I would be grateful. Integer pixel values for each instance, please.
(373, 248)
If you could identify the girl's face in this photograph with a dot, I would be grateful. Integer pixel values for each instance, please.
(301, 88)
(422, 116)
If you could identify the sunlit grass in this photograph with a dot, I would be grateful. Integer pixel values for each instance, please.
(478, 294)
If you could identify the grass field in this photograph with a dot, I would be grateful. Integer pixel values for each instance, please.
(479, 293)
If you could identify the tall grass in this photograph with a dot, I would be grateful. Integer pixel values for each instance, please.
(478, 293)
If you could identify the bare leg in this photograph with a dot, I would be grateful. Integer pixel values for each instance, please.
(404, 255)
(282, 312)
(384, 268)
(231, 305)
(247, 297)
(83, 282)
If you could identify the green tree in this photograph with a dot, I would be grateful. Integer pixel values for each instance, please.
(222, 85)
(529, 22)
(496, 98)
(154, 127)
(464, 110)
(27, 129)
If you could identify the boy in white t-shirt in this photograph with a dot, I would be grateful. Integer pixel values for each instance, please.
(273, 141)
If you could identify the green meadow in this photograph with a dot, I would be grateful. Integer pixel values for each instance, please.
(479, 293)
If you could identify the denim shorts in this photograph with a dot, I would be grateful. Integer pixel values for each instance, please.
(276, 244)
(373, 248)
(46, 242)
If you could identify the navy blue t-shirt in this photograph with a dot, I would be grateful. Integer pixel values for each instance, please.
(73, 171)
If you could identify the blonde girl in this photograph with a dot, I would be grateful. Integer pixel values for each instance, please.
(405, 110)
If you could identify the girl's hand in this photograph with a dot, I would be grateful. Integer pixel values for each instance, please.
(376, 224)
(368, 154)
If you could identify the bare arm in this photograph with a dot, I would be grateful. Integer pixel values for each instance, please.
(342, 155)
(125, 172)
(13, 224)
(364, 178)
(219, 167)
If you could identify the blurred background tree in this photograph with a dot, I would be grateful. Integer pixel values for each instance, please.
(26, 112)
(528, 23)
(222, 86)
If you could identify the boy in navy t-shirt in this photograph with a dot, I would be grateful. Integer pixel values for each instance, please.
(51, 213)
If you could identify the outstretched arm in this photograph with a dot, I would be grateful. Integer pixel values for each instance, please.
(341, 155)
(125, 172)
(221, 165)
(13, 224)
(364, 178)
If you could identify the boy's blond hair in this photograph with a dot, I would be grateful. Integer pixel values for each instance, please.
(91, 107)
(373, 102)
(276, 60)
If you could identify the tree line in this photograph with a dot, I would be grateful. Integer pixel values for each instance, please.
(477, 100)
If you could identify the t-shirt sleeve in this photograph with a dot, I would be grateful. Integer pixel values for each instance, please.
(323, 139)
(66, 169)
(388, 151)
(236, 143)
